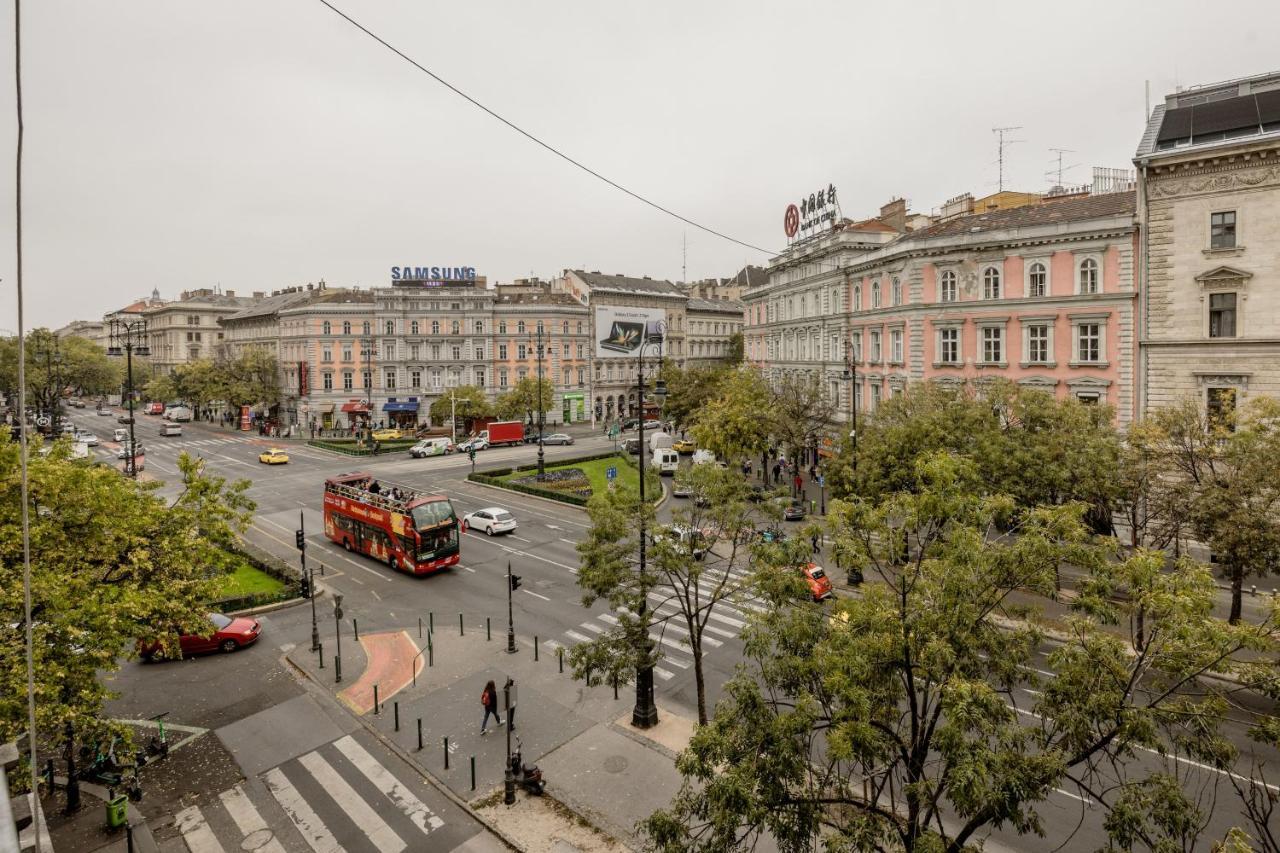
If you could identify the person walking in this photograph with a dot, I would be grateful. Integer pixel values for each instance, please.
(777, 471)
(799, 484)
(489, 698)
(817, 543)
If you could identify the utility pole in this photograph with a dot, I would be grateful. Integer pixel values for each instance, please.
(1000, 132)
(541, 407)
(131, 337)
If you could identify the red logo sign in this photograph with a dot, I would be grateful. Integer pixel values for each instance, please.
(791, 221)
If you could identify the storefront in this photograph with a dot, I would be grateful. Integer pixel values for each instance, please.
(322, 414)
(574, 407)
(357, 412)
(402, 414)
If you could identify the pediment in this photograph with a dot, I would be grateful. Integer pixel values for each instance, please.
(1223, 274)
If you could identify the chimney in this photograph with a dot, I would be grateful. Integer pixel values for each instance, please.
(310, 285)
(894, 214)
(230, 293)
(258, 294)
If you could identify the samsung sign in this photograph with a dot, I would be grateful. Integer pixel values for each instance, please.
(433, 275)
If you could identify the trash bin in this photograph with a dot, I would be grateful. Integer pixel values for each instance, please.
(117, 811)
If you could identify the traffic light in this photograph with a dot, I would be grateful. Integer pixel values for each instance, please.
(305, 587)
(299, 539)
(515, 582)
(471, 453)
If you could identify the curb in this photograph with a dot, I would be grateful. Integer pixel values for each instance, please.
(560, 504)
(404, 756)
(279, 605)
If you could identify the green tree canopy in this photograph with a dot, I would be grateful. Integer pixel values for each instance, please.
(688, 390)
(249, 379)
(471, 403)
(736, 422)
(522, 401)
(59, 366)
(801, 413)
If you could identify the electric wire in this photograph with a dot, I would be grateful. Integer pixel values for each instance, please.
(533, 138)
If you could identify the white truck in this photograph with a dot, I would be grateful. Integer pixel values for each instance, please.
(659, 441)
(177, 414)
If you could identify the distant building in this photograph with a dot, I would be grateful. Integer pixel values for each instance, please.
(727, 288)
(1209, 203)
(187, 329)
(712, 323)
(90, 330)
(519, 313)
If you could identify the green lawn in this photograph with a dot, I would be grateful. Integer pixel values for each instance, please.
(596, 470)
(248, 580)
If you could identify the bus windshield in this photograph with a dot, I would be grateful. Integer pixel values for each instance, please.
(433, 514)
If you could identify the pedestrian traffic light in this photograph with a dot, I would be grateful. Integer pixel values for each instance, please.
(471, 454)
(306, 587)
(515, 582)
(298, 537)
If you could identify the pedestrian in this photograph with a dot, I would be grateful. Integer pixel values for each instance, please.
(489, 698)
(777, 471)
(817, 543)
(799, 483)
(813, 472)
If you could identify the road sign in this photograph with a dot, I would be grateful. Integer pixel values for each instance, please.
(42, 421)
(822, 480)
(612, 473)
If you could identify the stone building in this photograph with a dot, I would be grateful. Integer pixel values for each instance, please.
(89, 330)
(519, 313)
(187, 329)
(1209, 206)
(712, 323)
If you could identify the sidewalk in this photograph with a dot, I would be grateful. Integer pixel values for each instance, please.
(594, 762)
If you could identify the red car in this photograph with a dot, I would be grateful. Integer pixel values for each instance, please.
(228, 634)
(819, 583)
(155, 408)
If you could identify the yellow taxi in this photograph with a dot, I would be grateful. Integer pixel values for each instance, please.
(683, 445)
(388, 434)
(274, 456)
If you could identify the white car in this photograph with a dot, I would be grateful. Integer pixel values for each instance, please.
(478, 443)
(491, 520)
(123, 452)
(86, 437)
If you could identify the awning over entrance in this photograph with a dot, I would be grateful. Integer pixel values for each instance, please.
(405, 406)
(325, 408)
(356, 406)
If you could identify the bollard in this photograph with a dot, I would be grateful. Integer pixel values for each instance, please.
(375, 699)
(431, 622)
(321, 647)
(337, 668)
(446, 752)
(488, 634)
(355, 628)
(560, 655)
(535, 646)
(419, 734)
(431, 652)
(128, 836)
(615, 688)
(460, 632)
(322, 570)
(396, 707)
(473, 772)
(419, 627)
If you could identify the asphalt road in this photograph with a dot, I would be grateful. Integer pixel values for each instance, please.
(549, 604)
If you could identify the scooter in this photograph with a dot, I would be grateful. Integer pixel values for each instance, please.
(527, 777)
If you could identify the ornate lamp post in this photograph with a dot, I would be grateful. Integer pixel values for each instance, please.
(539, 402)
(129, 336)
(851, 376)
(645, 713)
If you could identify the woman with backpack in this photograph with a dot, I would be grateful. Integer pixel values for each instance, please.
(489, 698)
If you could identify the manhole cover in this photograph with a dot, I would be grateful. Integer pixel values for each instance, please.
(615, 764)
(257, 839)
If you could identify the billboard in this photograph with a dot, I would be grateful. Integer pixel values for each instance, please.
(620, 332)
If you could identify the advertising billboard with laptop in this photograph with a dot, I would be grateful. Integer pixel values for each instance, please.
(621, 331)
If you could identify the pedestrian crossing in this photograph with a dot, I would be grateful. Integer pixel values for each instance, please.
(725, 623)
(334, 798)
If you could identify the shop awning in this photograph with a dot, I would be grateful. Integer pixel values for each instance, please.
(356, 406)
(406, 406)
(324, 408)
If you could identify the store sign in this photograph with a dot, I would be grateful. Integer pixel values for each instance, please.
(819, 209)
(433, 276)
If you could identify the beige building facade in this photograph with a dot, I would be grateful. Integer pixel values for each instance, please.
(187, 329)
(1209, 209)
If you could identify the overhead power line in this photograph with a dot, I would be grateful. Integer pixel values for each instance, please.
(526, 134)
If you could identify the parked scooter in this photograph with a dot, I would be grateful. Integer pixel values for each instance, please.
(527, 777)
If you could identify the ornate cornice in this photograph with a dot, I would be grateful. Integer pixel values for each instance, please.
(1237, 176)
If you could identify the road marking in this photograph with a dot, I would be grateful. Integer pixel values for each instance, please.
(304, 818)
(382, 836)
(374, 593)
(591, 626)
(581, 638)
(553, 644)
(404, 799)
(536, 595)
(557, 527)
(510, 550)
(1085, 800)
(468, 568)
(568, 541)
(247, 818)
(672, 625)
(657, 638)
(196, 832)
(665, 675)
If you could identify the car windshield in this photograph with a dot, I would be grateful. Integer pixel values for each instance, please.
(219, 621)
(817, 574)
(432, 514)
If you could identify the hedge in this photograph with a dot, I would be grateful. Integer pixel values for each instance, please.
(493, 478)
(350, 447)
(290, 576)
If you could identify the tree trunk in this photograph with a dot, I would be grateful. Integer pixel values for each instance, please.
(695, 645)
(1140, 632)
(1237, 590)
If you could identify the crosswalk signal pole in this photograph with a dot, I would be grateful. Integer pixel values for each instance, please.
(308, 579)
(337, 631)
(509, 777)
(513, 583)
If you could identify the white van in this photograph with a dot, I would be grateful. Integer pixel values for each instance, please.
(659, 441)
(177, 413)
(666, 461)
(170, 429)
(431, 447)
(120, 435)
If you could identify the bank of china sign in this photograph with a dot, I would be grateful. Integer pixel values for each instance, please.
(432, 276)
(816, 211)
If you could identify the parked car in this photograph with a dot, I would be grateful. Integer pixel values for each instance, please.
(274, 456)
(819, 583)
(702, 457)
(681, 490)
(478, 443)
(387, 434)
(557, 438)
(120, 435)
(792, 509)
(76, 404)
(431, 447)
(124, 419)
(226, 634)
(155, 409)
(772, 535)
(632, 446)
(86, 437)
(684, 446)
(491, 520)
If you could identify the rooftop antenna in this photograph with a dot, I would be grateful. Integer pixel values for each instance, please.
(1061, 169)
(684, 257)
(1000, 132)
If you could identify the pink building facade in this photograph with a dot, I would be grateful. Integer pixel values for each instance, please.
(1042, 295)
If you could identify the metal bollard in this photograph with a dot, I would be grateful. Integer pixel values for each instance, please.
(446, 752)
(419, 734)
(321, 655)
(128, 835)
(473, 772)
(375, 699)
(460, 631)
(560, 655)
(396, 707)
(431, 652)
(615, 688)
(488, 633)
(431, 622)
(535, 646)
(337, 668)
(419, 627)
(355, 628)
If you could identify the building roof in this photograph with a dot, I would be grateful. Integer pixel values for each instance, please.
(750, 276)
(724, 306)
(876, 225)
(1049, 213)
(524, 298)
(273, 303)
(1213, 115)
(627, 284)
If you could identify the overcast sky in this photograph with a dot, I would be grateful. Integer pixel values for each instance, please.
(257, 144)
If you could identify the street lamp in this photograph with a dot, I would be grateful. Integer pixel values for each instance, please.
(337, 632)
(645, 713)
(129, 336)
(851, 376)
(539, 403)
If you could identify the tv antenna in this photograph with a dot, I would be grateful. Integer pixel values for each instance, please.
(684, 258)
(1060, 170)
(1000, 132)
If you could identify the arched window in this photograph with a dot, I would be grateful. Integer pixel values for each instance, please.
(346, 327)
(391, 327)
(1088, 276)
(1037, 280)
(991, 283)
(897, 291)
(857, 298)
(875, 294)
(947, 287)
(326, 328)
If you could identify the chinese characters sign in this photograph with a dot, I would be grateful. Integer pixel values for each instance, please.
(816, 210)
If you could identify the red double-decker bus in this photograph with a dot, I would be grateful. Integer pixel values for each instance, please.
(407, 530)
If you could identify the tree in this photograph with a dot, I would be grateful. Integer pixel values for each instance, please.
(111, 562)
(56, 366)
(801, 413)
(1229, 465)
(471, 403)
(688, 390)
(526, 400)
(735, 424)
(249, 379)
(914, 718)
(735, 349)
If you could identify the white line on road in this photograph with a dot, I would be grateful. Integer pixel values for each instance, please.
(404, 799)
(247, 818)
(375, 828)
(199, 838)
(1085, 800)
(581, 638)
(536, 595)
(300, 812)
(568, 541)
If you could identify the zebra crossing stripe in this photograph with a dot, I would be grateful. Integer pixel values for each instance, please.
(553, 644)
(722, 632)
(665, 675)
(300, 812)
(196, 832)
(247, 818)
(728, 620)
(715, 614)
(591, 626)
(657, 638)
(672, 625)
(381, 835)
(404, 799)
(574, 635)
